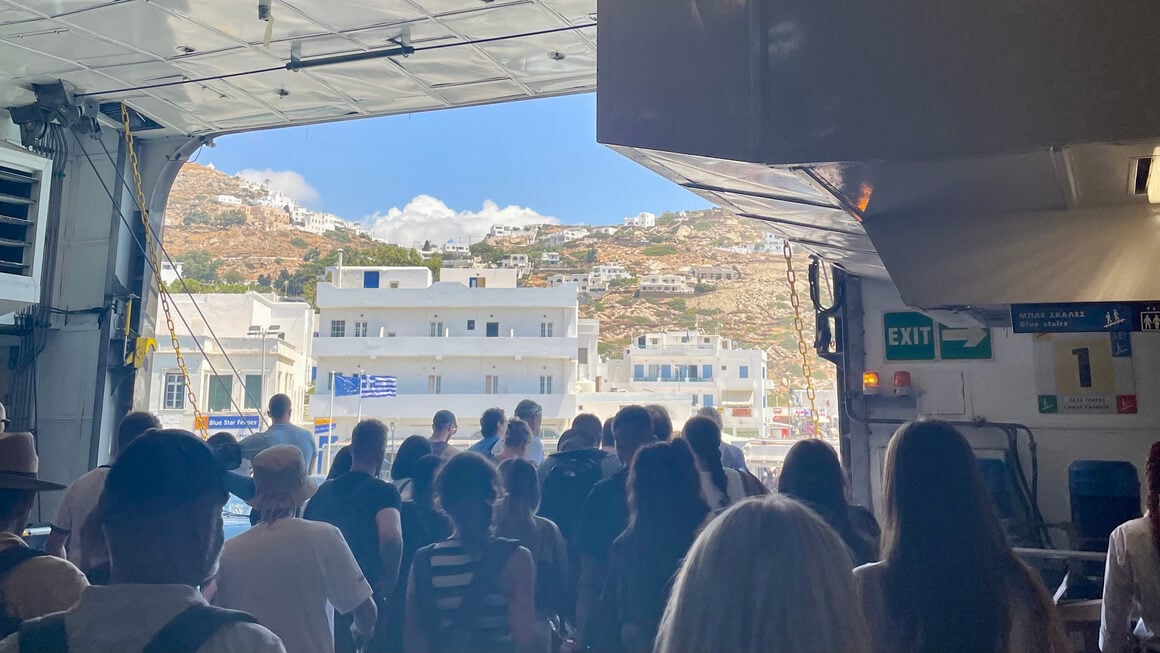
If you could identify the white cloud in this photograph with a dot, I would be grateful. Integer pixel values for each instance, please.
(428, 218)
(293, 184)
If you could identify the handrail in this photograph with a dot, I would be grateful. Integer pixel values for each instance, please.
(1060, 554)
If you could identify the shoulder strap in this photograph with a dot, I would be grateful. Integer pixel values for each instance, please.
(44, 635)
(487, 570)
(14, 556)
(193, 627)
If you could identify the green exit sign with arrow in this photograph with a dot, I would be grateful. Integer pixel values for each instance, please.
(912, 336)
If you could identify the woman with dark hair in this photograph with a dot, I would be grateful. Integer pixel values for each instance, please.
(403, 468)
(812, 474)
(1132, 579)
(948, 580)
(666, 511)
(341, 464)
(515, 440)
(423, 524)
(662, 422)
(722, 487)
(473, 591)
(515, 518)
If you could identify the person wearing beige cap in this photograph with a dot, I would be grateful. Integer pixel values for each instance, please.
(32, 584)
(285, 569)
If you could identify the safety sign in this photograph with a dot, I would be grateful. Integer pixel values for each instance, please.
(1084, 374)
(911, 336)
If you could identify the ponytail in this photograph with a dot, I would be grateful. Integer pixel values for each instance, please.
(1153, 472)
(704, 438)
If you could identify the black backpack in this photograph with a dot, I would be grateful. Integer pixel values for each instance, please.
(185, 633)
(567, 485)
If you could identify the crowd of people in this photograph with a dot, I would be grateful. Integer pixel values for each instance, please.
(631, 538)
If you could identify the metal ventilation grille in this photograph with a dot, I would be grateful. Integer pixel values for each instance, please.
(18, 211)
(138, 121)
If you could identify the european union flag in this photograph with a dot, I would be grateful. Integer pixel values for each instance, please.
(346, 386)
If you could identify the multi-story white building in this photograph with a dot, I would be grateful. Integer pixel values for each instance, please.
(507, 230)
(515, 261)
(665, 284)
(227, 199)
(450, 345)
(170, 272)
(714, 273)
(315, 222)
(608, 231)
(610, 271)
(642, 219)
(580, 279)
(550, 259)
(268, 343)
(456, 250)
(565, 236)
(709, 370)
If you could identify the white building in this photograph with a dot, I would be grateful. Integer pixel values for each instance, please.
(565, 236)
(481, 277)
(227, 199)
(448, 344)
(704, 273)
(508, 231)
(708, 370)
(268, 343)
(608, 231)
(642, 219)
(315, 222)
(515, 261)
(456, 250)
(170, 272)
(550, 259)
(580, 279)
(610, 271)
(665, 284)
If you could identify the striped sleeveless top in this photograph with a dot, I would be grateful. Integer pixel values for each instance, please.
(452, 569)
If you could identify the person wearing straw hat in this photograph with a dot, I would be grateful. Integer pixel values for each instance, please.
(32, 584)
(285, 569)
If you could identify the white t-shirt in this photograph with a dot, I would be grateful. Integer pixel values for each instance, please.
(284, 574)
(713, 493)
(78, 503)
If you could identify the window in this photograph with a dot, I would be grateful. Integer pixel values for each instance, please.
(491, 384)
(582, 356)
(338, 328)
(360, 329)
(221, 388)
(743, 371)
(640, 342)
(391, 334)
(477, 282)
(666, 371)
(492, 329)
(638, 372)
(545, 384)
(706, 371)
(174, 391)
(436, 329)
(546, 329)
(253, 391)
(654, 371)
(371, 279)
(434, 384)
(707, 400)
(471, 325)
(695, 398)
(394, 284)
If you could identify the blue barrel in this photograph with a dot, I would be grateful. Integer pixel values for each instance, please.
(1104, 494)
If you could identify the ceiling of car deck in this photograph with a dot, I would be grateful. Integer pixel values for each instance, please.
(102, 45)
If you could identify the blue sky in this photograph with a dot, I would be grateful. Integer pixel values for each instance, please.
(539, 154)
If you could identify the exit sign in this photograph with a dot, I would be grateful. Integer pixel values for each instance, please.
(909, 336)
(913, 336)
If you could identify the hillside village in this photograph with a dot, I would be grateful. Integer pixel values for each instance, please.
(692, 271)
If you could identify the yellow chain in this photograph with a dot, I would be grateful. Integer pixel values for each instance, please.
(198, 423)
(799, 326)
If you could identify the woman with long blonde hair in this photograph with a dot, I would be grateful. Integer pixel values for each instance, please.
(766, 575)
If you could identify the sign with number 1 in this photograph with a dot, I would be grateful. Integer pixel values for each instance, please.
(1084, 373)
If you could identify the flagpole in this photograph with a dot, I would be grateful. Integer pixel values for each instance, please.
(330, 429)
(360, 396)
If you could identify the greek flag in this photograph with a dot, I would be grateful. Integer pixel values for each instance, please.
(379, 386)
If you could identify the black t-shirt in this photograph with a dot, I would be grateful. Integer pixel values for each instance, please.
(351, 502)
(604, 516)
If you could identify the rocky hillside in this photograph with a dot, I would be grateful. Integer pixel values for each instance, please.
(230, 248)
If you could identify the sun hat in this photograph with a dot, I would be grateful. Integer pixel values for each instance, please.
(19, 464)
(280, 479)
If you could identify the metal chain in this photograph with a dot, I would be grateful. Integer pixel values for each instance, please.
(198, 422)
(799, 326)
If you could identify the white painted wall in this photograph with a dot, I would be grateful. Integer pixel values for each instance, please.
(1004, 390)
(493, 277)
